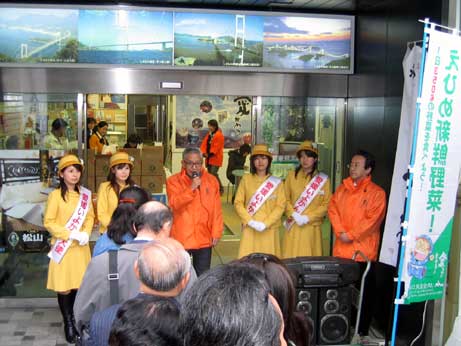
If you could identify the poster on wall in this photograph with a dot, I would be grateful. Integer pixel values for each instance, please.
(233, 114)
(218, 39)
(38, 35)
(307, 43)
(125, 37)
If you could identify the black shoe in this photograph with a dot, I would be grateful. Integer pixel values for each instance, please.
(66, 305)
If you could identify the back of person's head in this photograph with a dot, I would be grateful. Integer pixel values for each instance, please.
(134, 138)
(163, 265)
(146, 320)
(229, 305)
(245, 149)
(154, 217)
(282, 287)
(58, 124)
(121, 222)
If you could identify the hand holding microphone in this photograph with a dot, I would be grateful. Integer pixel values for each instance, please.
(196, 180)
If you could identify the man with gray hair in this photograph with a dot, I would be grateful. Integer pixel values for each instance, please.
(194, 198)
(152, 223)
(163, 269)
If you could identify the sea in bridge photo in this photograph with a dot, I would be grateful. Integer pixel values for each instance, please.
(125, 37)
(38, 35)
(307, 43)
(218, 40)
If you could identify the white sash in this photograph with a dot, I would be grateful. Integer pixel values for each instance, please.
(307, 196)
(262, 194)
(74, 224)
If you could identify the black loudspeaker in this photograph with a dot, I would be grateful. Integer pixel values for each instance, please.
(306, 303)
(334, 315)
(324, 296)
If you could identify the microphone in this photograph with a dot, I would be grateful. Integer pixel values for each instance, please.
(195, 175)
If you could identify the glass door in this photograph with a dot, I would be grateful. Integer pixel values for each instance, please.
(35, 131)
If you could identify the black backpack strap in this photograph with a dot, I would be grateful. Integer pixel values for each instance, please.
(113, 277)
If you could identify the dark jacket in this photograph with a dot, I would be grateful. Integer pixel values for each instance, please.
(236, 161)
(101, 324)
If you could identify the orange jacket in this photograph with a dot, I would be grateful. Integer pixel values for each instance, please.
(97, 142)
(358, 211)
(197, 214)
(216, 148)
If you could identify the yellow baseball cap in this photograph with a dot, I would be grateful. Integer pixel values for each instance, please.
(120, 157)
(307, 145)
(69, 160)
(261, 149)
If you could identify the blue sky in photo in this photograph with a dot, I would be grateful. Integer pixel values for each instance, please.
(28, 19)
(98, 28)
(216, 25)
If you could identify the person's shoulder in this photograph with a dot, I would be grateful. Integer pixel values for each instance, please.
(174, 177)
(376, 188)
(55, 194)
(290, 175)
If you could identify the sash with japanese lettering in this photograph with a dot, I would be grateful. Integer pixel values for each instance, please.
(262, 194)
(306, 197)
(75, 222)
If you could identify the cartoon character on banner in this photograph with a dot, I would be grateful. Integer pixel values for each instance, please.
(420, 256)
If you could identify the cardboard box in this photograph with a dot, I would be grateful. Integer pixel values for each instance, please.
(98, 182)
(152, 161)
(136, 154)
(90, 163)
(137, 179)
(91, 184)
(102, 165)
(153, 183)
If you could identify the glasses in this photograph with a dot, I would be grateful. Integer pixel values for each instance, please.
(193, 164)
(354, 165)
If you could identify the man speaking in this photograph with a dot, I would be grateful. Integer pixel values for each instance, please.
(194, 198)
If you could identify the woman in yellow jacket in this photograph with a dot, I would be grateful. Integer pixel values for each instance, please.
(304, 237)
(64, 206)
(260, 231)
(119, 178)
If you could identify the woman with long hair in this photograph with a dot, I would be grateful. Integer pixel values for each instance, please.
(120, 230)
(308, 194)
(98, 139)
(260, 202)
(282, 287)
(69, 218)
(118, 179)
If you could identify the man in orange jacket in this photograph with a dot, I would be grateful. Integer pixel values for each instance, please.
(193, 196)
(356, 212)
(213, 150)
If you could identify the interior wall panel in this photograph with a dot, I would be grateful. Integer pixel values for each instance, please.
(144, 81)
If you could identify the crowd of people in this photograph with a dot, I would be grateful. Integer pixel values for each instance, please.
(149, 281)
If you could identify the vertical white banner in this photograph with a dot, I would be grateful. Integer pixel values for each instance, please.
(411, 71)
(435, 171)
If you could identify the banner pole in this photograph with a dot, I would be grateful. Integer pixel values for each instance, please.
(397, 301)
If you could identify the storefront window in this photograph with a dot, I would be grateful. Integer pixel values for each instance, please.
(284, 122)
(35, 131)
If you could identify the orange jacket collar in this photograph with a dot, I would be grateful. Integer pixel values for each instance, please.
(349, 183)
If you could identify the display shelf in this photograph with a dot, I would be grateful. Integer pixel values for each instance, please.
(111, 108)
